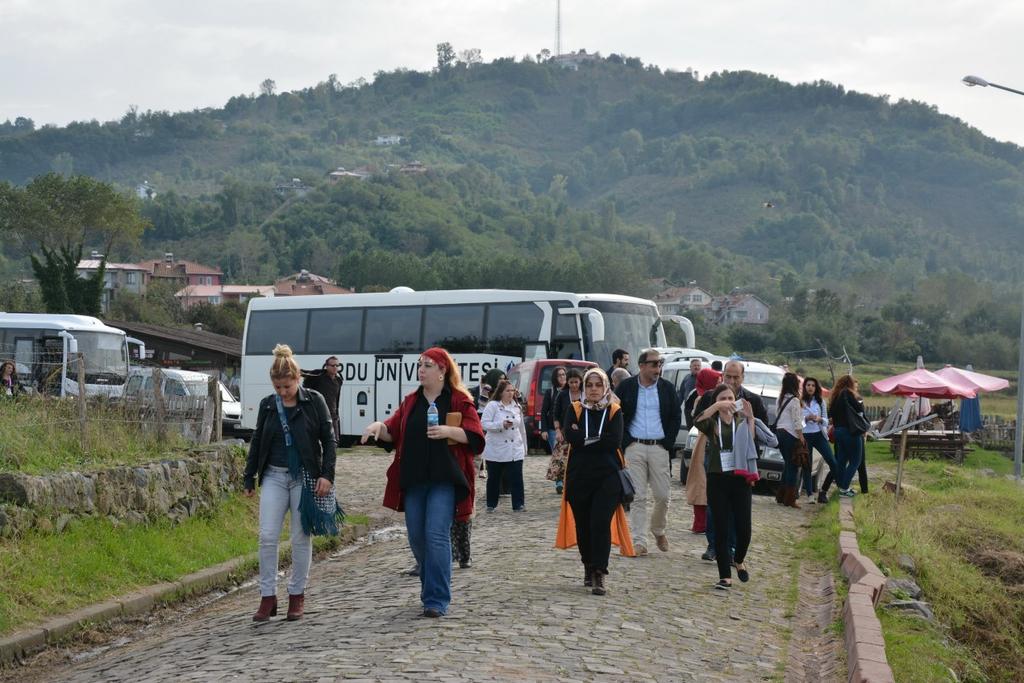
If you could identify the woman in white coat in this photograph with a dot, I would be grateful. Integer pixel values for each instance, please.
(505, 434)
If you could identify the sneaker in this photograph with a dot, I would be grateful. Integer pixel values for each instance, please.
(640, 549)
(811, 500)
(822, 497)
(709, 555)
(521, 508)
(490, 509)
(848, 493)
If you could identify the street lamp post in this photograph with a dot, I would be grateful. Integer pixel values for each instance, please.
(1018, 434)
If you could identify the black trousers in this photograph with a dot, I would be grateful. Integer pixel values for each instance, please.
(592, 508)
(729, 497)
(513, 472)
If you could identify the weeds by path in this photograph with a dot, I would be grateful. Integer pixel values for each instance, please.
(962, 529)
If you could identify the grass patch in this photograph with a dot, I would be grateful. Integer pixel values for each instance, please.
(93, 560)
(39, 435)
(962, 529)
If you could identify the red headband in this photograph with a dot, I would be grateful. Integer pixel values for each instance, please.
(439, 356)
(707, 379)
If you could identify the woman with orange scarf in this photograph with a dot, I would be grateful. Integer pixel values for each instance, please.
(593, 518)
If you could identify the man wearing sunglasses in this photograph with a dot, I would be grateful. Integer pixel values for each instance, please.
(652, 416)
(327, 381)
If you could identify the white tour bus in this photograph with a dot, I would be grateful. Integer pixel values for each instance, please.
(378, 338)
(42, 344)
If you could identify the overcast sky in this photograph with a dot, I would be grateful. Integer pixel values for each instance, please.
(64, 60)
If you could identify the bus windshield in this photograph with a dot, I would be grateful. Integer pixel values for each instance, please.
(105, 360)
(628, 326)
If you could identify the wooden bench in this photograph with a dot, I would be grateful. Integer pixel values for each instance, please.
(932, 444)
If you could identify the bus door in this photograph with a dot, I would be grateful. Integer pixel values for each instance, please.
(387, 385)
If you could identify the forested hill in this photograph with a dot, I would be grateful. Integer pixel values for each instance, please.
(732, 180)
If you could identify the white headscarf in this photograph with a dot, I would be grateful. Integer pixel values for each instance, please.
(608, 396)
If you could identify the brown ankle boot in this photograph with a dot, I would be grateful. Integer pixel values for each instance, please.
(598, 580)
(296, 603)
(268, 608)
(791, 496)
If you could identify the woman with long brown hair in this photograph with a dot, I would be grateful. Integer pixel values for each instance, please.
(435, 431)
(847, 411)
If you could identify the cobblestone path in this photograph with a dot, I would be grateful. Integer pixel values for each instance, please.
(520, 614)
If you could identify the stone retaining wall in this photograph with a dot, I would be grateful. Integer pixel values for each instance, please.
(175, 489)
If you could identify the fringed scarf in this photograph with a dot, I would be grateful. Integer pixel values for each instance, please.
(320, 515)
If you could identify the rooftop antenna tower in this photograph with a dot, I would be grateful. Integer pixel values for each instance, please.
(558, 28)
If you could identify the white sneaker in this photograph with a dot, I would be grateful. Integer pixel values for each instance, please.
(811, 500)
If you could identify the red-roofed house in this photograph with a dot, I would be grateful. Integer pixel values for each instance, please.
(679, 300)
(220, 294)
(182, 272)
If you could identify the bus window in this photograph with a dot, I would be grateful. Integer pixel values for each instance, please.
(335, 330)
(269, 328)
(392, 330)
(459, 329)
(510, 326)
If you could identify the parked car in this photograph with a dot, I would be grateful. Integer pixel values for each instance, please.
(532, 378)
(180, 388)
(762, 379)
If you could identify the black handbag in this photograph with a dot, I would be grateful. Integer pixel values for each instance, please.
(628, 490)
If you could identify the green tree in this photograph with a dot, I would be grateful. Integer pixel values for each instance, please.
(57, 217)
(445, 56)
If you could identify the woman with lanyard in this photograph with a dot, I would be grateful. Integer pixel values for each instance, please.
(505, 436)
(729, 494)
(292, 457)
(435, 432)
(593, 488)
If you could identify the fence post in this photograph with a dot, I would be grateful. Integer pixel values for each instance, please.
(158, 404)
(218, 413)
(81, 399)
(207, 432)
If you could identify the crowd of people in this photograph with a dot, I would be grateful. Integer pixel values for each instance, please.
(611, 436)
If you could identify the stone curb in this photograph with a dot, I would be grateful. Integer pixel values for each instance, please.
(23, 643)
(865, 645)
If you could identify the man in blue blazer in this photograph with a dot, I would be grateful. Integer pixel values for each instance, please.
(651, 416)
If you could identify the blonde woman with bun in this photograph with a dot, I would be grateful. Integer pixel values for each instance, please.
(293, 444)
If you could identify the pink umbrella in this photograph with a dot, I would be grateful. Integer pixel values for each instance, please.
(973, 379)
(921, 382)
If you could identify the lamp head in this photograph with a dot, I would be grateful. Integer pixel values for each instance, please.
(972, 81)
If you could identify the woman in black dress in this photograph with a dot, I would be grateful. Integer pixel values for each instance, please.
(593, 428)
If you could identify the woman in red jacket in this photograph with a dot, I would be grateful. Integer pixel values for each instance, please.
(432, 475)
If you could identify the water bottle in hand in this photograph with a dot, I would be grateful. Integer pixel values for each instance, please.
(432, 417)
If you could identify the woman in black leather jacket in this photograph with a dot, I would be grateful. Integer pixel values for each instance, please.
(285, 461)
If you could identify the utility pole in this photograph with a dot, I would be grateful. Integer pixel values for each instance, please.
(558, 27)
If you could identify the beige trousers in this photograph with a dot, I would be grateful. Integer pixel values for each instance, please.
(648, 466)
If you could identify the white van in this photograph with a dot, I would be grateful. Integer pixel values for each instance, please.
(180, 387)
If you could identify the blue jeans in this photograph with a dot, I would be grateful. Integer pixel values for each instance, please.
(279, 494)
(849, 455)
(429, 511)
(787, 443)
(817, 441)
